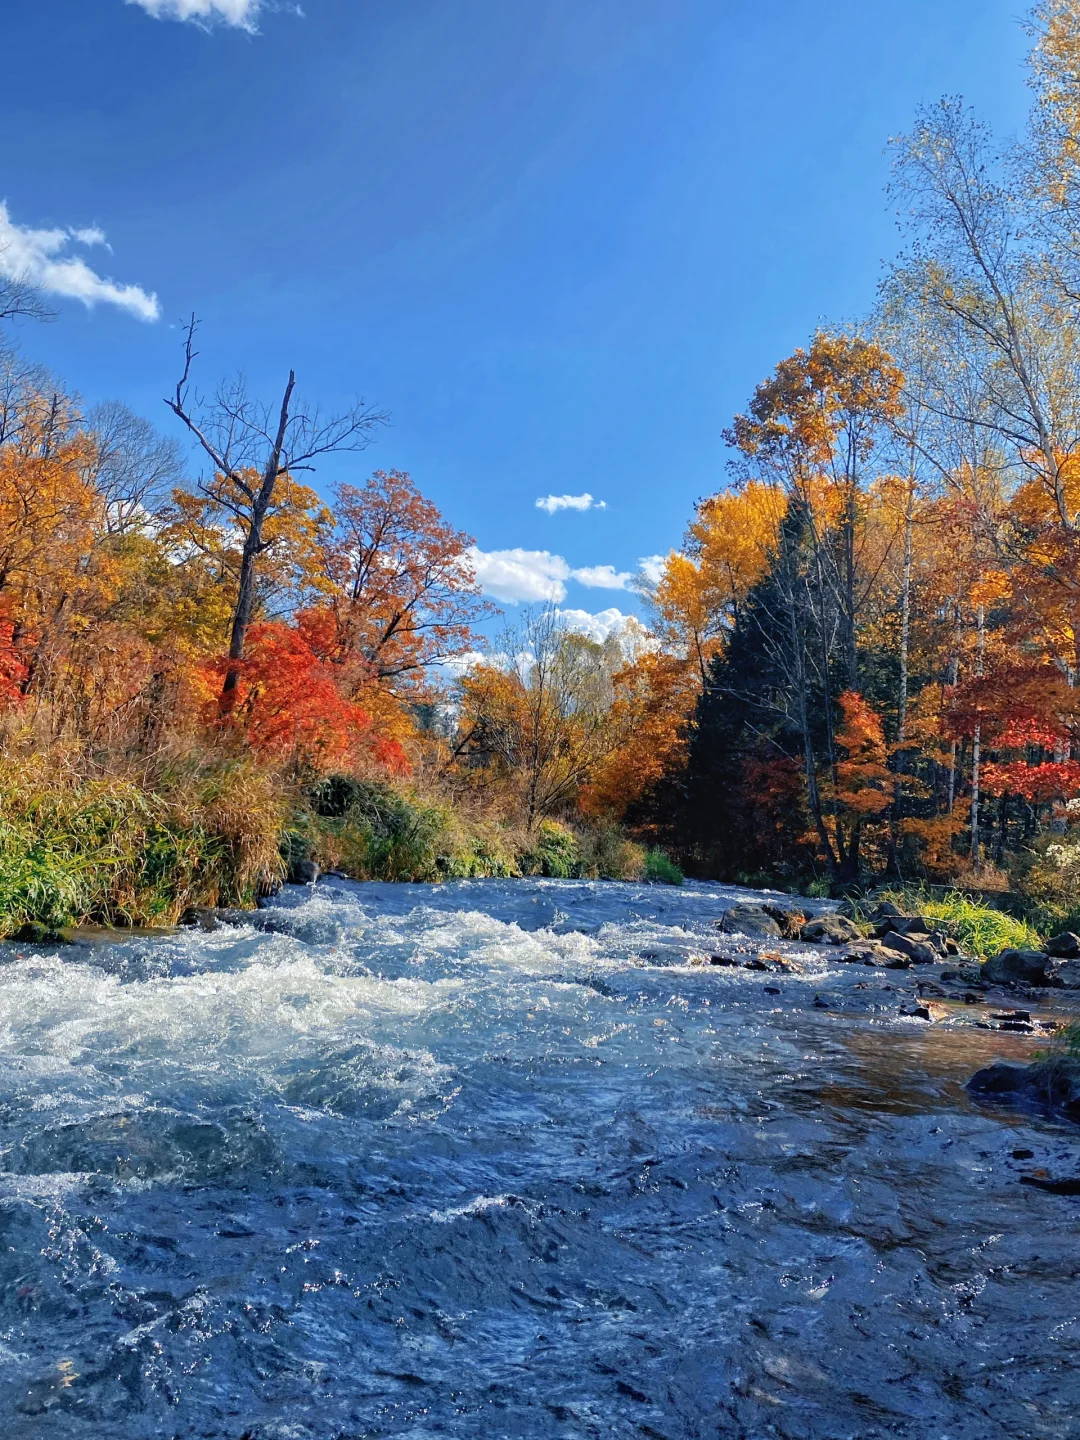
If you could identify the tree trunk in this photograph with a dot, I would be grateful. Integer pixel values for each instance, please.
(902, 697)
(253, 545)
(976, 751)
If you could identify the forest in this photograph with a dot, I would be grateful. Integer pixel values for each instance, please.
(861, 663)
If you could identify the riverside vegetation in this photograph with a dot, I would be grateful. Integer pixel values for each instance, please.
(860, 666)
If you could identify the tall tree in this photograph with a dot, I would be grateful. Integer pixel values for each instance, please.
(255, 450)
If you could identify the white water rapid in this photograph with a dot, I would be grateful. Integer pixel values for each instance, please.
(493, 1159)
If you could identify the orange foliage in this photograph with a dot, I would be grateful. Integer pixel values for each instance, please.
(864, 782)
(654, 698)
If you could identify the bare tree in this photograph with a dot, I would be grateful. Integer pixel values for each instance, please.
(19, 299)
(252, 446)
(133, 465)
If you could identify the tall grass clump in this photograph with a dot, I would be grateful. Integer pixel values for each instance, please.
(370, 830)
(111, 850)
(977, 928)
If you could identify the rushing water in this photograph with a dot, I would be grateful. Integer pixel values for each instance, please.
(492, 1159)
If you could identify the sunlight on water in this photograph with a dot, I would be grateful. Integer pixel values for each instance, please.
(493, 1159)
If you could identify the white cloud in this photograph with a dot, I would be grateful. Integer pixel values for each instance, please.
(602, 577)
(241, 13)
(38, 257)
(596, 627)
(633, 637)
(521, 574)
(538, 575)
(652, 567)
(457, 665)
(551, 503)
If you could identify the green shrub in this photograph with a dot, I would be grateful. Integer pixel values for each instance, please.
(380, 834)
(477, 853)
(660, 867)
(553, 851)
(606, 854)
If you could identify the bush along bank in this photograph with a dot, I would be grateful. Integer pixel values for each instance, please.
(112, 851)
(106, 850)
(370, 830)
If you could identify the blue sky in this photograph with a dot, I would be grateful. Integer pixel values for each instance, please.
(559, 240)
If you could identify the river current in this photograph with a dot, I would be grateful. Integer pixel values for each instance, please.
(495, 1159)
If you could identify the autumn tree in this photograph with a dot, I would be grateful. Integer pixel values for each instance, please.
(540, 721)
(400, 584)
(256, 451)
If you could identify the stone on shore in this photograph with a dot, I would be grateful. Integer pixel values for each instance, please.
(1064, 974)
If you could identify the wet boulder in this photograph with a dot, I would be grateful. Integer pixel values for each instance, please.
(830, 930)
(36, 933)
(790, 920)
(750, 920)
(918, 952)
(863, 952)
(1064, 973)
(1001, 1081)
(304, 872)
(1052, 1086)
(1065, 946)
(916, 1012)
(1017, 967)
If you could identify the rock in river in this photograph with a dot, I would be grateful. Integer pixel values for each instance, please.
(1065, 946)
(749, 920)
(1017, 967)
(1052, 1086)
(829, 930)
(919, 952)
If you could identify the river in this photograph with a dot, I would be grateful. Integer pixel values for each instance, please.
(493, 1159)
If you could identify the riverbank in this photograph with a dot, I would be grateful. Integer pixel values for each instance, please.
(138, 849)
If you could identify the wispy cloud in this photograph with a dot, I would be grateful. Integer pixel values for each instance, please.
(538, 575)
(42, 259)
(240, 13)
(551, 503)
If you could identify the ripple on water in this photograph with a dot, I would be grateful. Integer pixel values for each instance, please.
(413, 1161)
